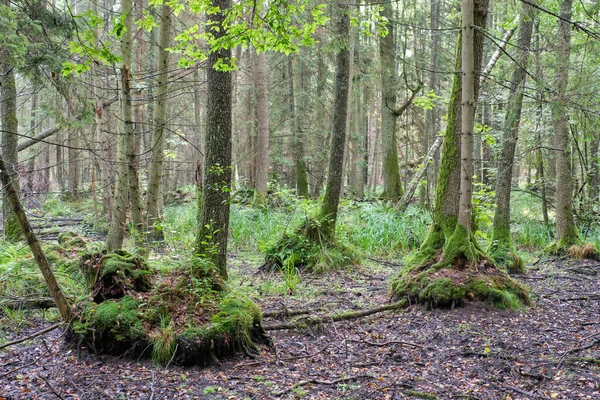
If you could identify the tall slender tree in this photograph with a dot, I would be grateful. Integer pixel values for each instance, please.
(153, 192)
(502, 247)
(566, 231)
(125, 181)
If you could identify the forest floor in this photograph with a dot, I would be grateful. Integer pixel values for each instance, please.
(548, 351)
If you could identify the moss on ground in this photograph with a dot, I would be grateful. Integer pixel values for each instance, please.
(71, 241)
(176, 318)
(308, 249)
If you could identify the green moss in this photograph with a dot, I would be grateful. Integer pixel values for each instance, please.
(71, 240)
(308, 249)
(119, 319)
(129, 267)
(12, 228)
(235, 327)
(460, 247)
(443, 292)
(500, 291)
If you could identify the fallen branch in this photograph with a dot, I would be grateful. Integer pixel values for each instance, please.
(285, 313)
(387, 343)
(43, 303)
(335, 317)
(38, 138)
(39, 333)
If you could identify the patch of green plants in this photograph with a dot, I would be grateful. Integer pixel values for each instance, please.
(378, 229)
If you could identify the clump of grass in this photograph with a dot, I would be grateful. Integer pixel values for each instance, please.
(378, 229)
(584, 251)
(163, 343)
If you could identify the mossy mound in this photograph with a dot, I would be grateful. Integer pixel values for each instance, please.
(114, 275)
(71, 241)
(449, 286)
(176, 317)
(307, 249)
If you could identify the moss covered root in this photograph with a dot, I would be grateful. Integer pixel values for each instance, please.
(452, 286)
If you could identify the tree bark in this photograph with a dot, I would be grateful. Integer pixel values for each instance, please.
(125, 150)
(158, 137)
(566, 231)
(339, 129)
(10, 138)
(298, 115)
(468, 115)
(261, 80)
(211, 239)
(502, 243)
(392, 185)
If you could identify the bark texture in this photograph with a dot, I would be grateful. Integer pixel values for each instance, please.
(502, 248)
(158, 136)
(211, 240)
(566, 231)
(392, 185)
(10, 126)
(125, 150)
(339, 129)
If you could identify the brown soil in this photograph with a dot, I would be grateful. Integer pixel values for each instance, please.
(549, 351)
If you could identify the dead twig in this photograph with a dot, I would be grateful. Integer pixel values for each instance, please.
(51, 388)
(387, 343)
(38, 333)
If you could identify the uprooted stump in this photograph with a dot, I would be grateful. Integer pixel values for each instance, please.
(174, 318)
(442, 285)
(114, 275)
(308, 249)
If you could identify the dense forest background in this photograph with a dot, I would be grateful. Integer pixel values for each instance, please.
(175, 167)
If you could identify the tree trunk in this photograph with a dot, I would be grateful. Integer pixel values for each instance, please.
(125, 182)
(36, 249)
(502, 248)
(566, 231)
(262, 137)
(339, 129)
(445, 214)
(10, 139)
(211, 239)
(299, 115)
(392, 185)
(468, 115)
(158, 137)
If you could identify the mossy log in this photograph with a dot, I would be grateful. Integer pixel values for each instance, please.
(174, 318)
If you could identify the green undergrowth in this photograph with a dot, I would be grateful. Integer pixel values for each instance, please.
(182, 315)
(378, 229)
(309, 250)
(20, 277)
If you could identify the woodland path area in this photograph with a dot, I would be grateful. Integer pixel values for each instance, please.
(550, 351)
